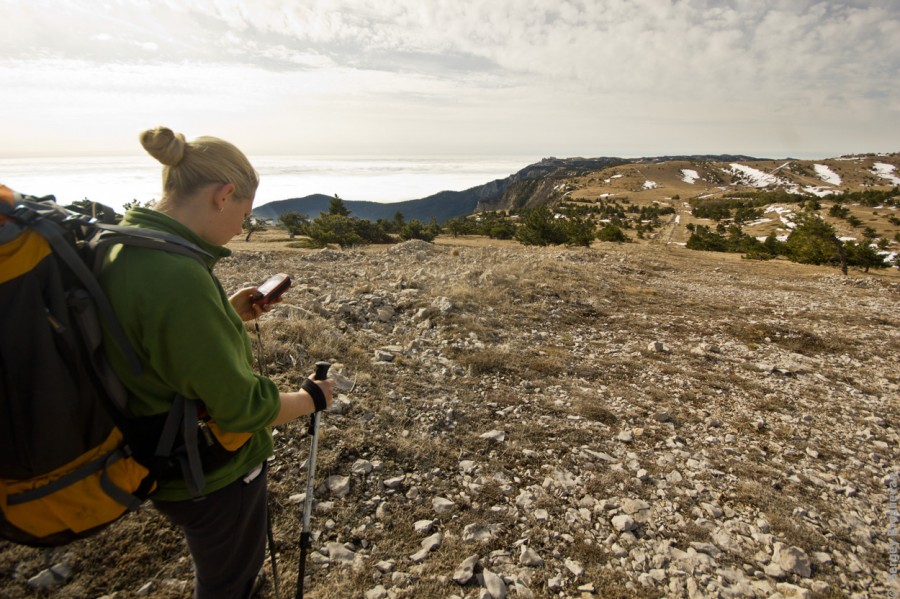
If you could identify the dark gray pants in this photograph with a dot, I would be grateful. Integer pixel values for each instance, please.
(226, 534)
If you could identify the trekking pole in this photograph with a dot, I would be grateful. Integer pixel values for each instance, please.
(305, 537)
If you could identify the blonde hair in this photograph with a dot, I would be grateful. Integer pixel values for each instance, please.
(189, 165)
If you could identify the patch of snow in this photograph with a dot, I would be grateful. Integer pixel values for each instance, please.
(703, 197)
(886, 171)
(820, 192)
(650, 185)
(677, 219)
(607, 195)
(826, 174)
(784, 214)
(777, 209)
(753, 177)
(760, 221)
(689, 175)
(846, 238)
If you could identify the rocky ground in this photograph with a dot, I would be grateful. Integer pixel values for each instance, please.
(624, 421)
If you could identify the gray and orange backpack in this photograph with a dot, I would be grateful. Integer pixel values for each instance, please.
(72, 459)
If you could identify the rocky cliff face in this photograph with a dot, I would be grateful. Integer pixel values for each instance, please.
(539, 183)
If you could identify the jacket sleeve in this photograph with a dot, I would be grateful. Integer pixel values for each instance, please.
(193, 341)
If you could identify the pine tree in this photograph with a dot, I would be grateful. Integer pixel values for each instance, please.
(813, 241)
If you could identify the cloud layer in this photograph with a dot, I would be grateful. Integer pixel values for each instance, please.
(606, 76)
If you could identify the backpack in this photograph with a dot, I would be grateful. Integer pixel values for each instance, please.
(72, 458)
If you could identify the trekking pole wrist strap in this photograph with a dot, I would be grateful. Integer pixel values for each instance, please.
(318, 396)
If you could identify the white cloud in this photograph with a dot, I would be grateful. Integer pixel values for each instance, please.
(657, 76)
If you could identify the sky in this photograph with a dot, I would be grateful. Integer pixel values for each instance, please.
(768, 78)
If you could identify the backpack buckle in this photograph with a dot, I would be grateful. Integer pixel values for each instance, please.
(24, 214)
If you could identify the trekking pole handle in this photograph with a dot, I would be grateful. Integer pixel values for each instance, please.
(321, 371)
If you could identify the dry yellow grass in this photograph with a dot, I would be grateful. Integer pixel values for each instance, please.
(762, 362)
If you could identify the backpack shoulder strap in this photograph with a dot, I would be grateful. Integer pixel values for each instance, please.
(148, 238)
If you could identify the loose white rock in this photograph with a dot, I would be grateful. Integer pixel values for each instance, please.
(494, 435)
(337, 552)
(379, 592)
(792, 560)
(574, 567)
(442, 506)
(339, 486)
(623, 523)
(428, 545)
(394, 482)
(494, 585)
(51, 577)
(528, 557)
(465, 571)
(423, 526)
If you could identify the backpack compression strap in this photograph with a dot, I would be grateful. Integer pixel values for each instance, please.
(182, 421)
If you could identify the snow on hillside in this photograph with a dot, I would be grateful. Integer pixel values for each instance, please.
(753, 177)
(886, 171)
(784, 214)
(689, 175)
(827, 175)
(650, 185)
(819, 191)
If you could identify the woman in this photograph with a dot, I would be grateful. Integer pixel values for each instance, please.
(191, 340)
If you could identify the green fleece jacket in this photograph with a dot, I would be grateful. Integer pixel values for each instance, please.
(190, 341)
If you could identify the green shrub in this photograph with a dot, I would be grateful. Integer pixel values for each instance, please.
(415, 229)
(540, 227)
(334, 228)
(294, 222)
(813, 242)
(611, 232)
(371, 232)
(578, 231)
(460, 226)
(839, 211)
(864, 256)
(495, 225)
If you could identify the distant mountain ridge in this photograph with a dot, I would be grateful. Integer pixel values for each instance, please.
(534, 185)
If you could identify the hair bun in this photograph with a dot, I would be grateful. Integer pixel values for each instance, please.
(164, 145)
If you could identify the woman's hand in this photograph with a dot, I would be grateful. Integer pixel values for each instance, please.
(243, 302)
